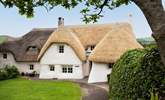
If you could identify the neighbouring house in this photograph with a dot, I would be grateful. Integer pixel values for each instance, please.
(70, 52)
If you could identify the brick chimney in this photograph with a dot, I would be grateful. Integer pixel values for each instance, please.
(60, 21)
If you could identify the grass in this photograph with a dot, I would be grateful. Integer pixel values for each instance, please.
(22, 89)
(2, 39)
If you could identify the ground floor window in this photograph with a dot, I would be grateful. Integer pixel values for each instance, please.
(52, 68)
(31, 66)
(67, 68)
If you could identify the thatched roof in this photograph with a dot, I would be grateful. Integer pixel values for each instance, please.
(19, 48)
(79, 37)
(65, 35)
(114, 44)
(91, 34)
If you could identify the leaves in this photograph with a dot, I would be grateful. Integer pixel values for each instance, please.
(136, 73)
(91, 12)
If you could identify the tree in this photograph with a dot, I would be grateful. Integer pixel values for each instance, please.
(92, 11)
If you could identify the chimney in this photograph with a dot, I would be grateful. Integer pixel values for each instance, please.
(60, 21)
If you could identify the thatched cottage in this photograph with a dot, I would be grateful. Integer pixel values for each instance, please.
(70, 52)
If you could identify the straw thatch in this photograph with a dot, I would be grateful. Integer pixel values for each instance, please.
(19, 47)
(90, 35)
(114, 44)
(65, 35)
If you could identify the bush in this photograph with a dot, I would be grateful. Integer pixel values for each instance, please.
(135, 74)
(9, 72)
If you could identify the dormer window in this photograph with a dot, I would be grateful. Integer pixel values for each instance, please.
(61, 49)
(32, 49)
(92, 47)
(4, 55)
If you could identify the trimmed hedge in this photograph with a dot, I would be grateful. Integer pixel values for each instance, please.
(135, 74)
(9, 72)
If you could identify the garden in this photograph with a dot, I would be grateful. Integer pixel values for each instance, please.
(14, 87)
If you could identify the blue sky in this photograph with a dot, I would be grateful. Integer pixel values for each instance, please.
(13, 24)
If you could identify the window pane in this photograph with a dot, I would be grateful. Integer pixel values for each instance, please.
(5, 55)
(52, 68)
(31, 67)
(61, 49)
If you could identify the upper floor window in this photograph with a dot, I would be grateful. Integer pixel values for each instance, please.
(32, 49)
(52, 68)
(31, 66)
(4, 55)
(61, 49)
(92, 47)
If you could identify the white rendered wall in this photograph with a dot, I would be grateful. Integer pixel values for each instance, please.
(99, 73)
(53, 57)
(22, 66)
(45, 72)
(9, 61)
(86, 68)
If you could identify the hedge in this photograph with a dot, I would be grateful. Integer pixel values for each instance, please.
(135, 74)
(9, 72)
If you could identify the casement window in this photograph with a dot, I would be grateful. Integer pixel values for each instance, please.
(61, 49)
(67, 68)
(92, 47)
(110, 65)
(4, 55)
(51, 67)
(31, 67)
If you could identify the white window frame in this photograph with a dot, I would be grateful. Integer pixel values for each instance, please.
(51, 67)
(61, 49)
(67, 69)
(31, 67)
(4, 55)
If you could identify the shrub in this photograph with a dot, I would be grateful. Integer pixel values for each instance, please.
(135, 74)
(9, 72)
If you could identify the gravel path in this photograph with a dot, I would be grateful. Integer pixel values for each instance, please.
(93, 92)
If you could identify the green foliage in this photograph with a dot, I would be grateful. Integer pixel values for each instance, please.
(8, 72)
(91, 12)
(2, 39)
(135, 74)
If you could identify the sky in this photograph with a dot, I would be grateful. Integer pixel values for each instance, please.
(16, 25)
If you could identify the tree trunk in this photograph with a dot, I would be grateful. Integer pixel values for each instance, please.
(155, 14)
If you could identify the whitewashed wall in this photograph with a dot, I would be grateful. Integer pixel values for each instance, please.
(86, 68)
(57, 73)
(53, 57)
(9, 61)
(99, 73)
(22, 66)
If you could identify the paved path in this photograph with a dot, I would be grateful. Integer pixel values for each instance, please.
(93, 92)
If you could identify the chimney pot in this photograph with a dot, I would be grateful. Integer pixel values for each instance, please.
(60, 21)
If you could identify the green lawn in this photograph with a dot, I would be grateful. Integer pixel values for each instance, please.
(22, 89)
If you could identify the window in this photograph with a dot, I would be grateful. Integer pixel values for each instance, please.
(67, 69)
(110, 65)
(61, 48)
(31, 66)
(92, 47)
(5, 56)
(52, 68)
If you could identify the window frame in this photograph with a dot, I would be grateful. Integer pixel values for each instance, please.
(61, 49)
(4, 55)
(51, 67)
(31, 67)
(67, 69)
